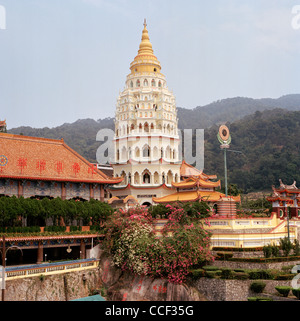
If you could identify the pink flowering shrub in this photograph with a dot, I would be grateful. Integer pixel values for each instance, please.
(134, 247)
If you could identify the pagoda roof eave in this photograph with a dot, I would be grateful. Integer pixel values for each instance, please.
(118, 188)
(192, 196)
(196, 182)
(278, 198)
(157, 161)
(285, 190)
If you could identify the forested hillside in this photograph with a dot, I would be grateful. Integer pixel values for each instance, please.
(267, 136)
(270, 145)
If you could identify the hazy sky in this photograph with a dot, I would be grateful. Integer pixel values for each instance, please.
(62, 60)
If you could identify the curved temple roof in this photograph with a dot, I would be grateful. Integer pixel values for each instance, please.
(24, 157)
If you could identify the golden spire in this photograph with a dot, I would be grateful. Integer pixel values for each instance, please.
(145, 52)
(145, 45)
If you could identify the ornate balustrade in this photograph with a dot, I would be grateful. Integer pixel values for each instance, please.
(48, 268)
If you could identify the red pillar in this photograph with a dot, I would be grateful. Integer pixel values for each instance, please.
(20, 189)
(40, 253)
(63, 191)
(91, 191)
(82, 249)
(101, 193)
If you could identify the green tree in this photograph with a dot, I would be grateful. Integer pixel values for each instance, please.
(286, 245)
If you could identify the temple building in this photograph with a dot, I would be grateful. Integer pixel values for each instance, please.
(285, 199)
(2, 126)
(39, 167)
(197, 186)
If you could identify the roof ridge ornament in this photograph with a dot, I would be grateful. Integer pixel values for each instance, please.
(284, 186)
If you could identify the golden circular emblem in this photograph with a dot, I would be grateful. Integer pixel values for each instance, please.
(224, 132)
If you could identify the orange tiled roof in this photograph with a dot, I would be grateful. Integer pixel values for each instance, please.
(196, 181)
(192, 196)
(124, 200)
(177, 197)
(24, 157)
(188, 170)
(2, 123)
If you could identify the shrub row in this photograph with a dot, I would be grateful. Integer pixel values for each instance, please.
(239, 274)
(224, 255)
(54, 228)
(259, 298)
(74, 228)
(233, 249)
(216, 272)
(20, 229)
(285, 291)
(264, 260)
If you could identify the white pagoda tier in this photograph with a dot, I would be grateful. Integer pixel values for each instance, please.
(146, 138)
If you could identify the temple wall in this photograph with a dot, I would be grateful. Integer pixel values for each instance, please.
(33, 188)
(9, 187)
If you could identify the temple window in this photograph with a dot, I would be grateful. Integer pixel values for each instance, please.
(156, 178)
(153, 83)
(146, 178)
(138, 83)
(145, 82)
(146, 151)
(169, 177)
(137, 152)
(136, 178)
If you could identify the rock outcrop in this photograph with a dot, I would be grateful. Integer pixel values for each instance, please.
(124, 286)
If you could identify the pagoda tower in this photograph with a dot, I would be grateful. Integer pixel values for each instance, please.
(146, 142)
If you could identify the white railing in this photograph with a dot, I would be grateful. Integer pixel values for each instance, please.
(48, 268)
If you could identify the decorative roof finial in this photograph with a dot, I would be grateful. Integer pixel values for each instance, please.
(145, 23)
